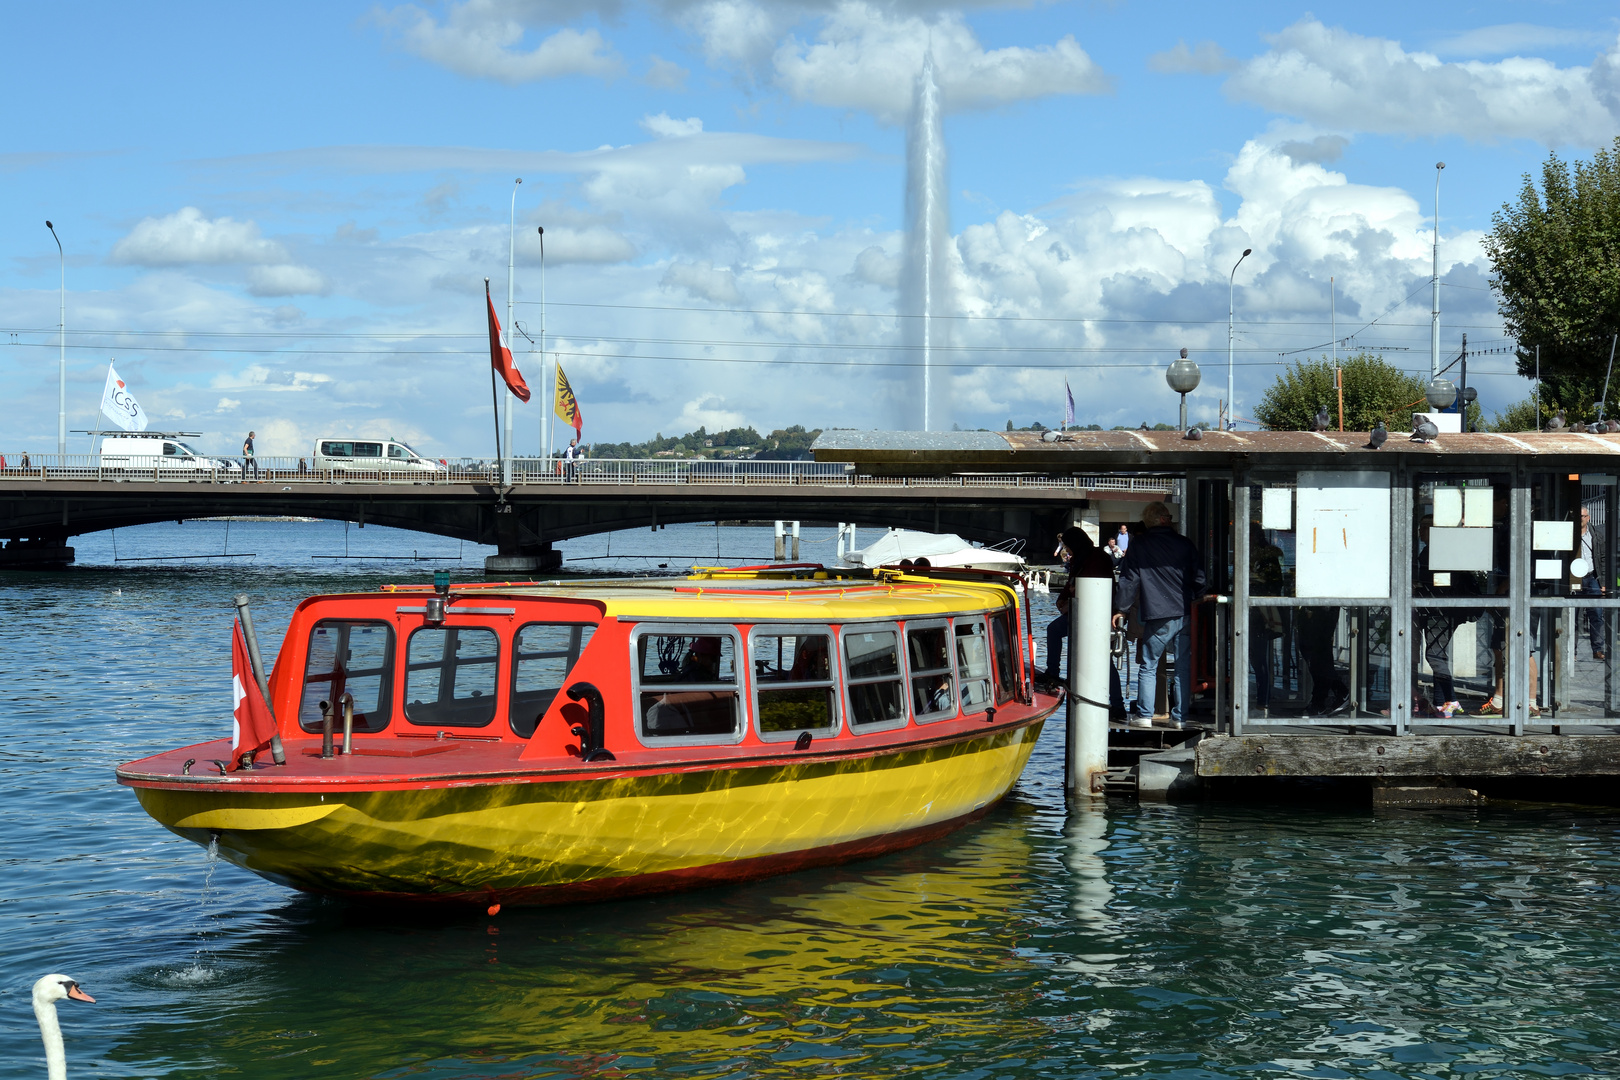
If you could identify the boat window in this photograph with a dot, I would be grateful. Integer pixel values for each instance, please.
(793, 683)
(353, 656)
(688, 685)
(450, 676)
(872, 666)
(973, 665)
(1002, 637)
(933, 684)
(542, 656)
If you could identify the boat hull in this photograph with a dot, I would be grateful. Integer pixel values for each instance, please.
(539, 838)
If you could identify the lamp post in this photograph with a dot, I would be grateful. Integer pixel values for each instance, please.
(1231, 307)
(1441, 393)
(1434, 332)
(61, 348)
(511, 251)
(1183, 376)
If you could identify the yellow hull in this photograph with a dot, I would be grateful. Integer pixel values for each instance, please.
(544, 840)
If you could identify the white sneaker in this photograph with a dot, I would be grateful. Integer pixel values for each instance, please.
(1451, 708)
(1141, 721)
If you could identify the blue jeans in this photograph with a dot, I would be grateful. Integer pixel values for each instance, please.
(1155, 642)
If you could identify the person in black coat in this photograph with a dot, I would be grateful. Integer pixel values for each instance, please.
(1162, 575)
(1081, 558)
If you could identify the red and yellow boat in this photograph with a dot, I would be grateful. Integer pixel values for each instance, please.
(549, 743)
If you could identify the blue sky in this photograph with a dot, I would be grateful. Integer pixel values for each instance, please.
(281, 218)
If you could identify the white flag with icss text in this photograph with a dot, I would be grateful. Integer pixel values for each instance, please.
(120, 405)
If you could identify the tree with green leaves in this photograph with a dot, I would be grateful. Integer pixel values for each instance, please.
(1373, 391)
(1555, 260)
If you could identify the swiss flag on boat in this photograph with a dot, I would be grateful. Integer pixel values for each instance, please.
(252, 726)
(500, 357)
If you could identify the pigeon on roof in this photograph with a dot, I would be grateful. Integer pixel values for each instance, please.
(1319, 422)
(1557, 422)
(1194, 434)
(1378, 436)
(1578, 428)
(1423, 430)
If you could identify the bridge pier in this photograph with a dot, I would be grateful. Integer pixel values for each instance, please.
(39, 554)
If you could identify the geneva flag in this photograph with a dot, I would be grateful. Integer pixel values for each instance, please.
(120, 405)
(500, 357)
(567, 407)
(252, 726)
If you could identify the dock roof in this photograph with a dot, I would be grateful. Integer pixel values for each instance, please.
(1172, 452)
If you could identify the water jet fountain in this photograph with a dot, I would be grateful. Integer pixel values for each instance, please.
(925, 288)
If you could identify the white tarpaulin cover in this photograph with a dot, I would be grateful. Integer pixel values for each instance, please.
(940, 549)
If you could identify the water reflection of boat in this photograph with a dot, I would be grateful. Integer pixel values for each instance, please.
(541, 744)
(853, 964)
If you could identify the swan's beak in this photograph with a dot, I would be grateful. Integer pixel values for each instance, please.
(76, 994)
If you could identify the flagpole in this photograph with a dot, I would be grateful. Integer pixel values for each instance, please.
(494, 396)
(545, 416)
(511, 252)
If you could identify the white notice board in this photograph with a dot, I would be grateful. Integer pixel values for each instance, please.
(1342, 539)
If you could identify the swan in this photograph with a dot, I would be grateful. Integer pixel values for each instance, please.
(47, 992)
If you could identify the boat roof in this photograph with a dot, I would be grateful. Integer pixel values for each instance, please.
(808, 594)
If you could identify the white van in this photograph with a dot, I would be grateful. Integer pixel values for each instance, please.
(142, 452)
(368, 455)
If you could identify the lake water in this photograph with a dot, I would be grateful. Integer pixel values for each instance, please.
(1184, 942)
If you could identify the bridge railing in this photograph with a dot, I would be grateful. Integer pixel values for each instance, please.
(535, 472)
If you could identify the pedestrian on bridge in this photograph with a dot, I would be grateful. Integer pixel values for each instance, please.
(248, 460)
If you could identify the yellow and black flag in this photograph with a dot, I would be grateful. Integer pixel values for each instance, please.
(567, 406)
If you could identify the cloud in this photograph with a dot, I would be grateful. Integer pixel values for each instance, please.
(708, 412)
(186, 237)
(666, 128)
(287, 280)
(665, 74)
(259, 377)
(1323, 150)
(227, 404)
(709, 147)
(739, 31)
(1335, 78)
(877, 267)
(717, 285)
(578, 243)
(1513, 39)
(1205, 58)
(483, 39)
(867, 58)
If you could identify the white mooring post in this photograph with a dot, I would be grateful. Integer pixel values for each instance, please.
(1090, 616)
(781, 552)
(795, 541)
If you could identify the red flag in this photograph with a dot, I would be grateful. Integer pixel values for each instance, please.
(500, 357)
(252, 726)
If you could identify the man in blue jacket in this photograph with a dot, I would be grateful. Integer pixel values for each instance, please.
(1162, 574)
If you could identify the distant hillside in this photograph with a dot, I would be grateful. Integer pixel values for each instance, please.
(783, 444)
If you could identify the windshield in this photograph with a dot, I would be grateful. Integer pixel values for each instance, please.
(408, 448)
(186, 447)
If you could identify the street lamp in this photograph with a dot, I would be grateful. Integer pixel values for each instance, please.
(1434, 332)
(1183, 376)
(61, 346)
(1231, 298)
(1441, 394)
(511, 251)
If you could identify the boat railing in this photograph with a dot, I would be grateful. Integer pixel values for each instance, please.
(536, 472)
